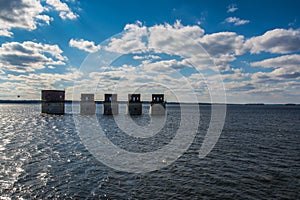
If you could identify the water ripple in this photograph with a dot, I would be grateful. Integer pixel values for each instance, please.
(257, 157)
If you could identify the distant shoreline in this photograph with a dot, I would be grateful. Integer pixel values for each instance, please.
(147, 102)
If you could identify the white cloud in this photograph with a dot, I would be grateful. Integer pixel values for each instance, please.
(44, 18)
(63, 9)
(237, 74)
(137, 38)
(45, 78)
(5, 33)
(188, 41)
(165, 66)
(223, 43)
(148, 57)
(84, 45)
(29, 86)
(232, 8)
(29, 56)
(286, 73)
(286, 67)
(278, 62)
(281, 85)
(176, 39)
(157, 70)
(275, 77)
(153, 77)
(236, 21)
(19, 14)
(275, 41)
(27, 14)
(131, 41)
(223, 47)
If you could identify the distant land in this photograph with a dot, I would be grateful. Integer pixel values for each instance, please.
(148, 102)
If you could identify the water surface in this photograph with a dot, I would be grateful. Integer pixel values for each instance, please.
(256, 157)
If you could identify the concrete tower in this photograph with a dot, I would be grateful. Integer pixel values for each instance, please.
(134, 104)
(157, 105)
(53, 102)
(110, 104)
(87, 104)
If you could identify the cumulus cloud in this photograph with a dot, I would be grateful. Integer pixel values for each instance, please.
(166, 66)
(131, 41)
(237, 74)
(223, 47)
(27, 14)
(278, 62)
(19, 14)
(29, 56)
(282, 82)
(236, 21)
(286, 73)
(149, 46)
(63, 9)
(275, 77)
(285, 67)
(138, 38)
(232, 8)
(88, 46)
(5, 33)
(275, 41)
(44, 18)
(176, 38)
(223, 43)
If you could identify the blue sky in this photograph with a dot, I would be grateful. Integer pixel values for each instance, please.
(251, 48)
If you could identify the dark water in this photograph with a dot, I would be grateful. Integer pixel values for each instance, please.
(256, 157)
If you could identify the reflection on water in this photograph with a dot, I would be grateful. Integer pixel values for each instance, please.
(257, 157)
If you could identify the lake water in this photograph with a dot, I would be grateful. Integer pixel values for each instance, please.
(256, 157)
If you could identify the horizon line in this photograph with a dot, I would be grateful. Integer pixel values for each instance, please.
(148, 102)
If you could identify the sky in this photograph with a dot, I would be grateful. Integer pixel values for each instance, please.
(204, 51)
